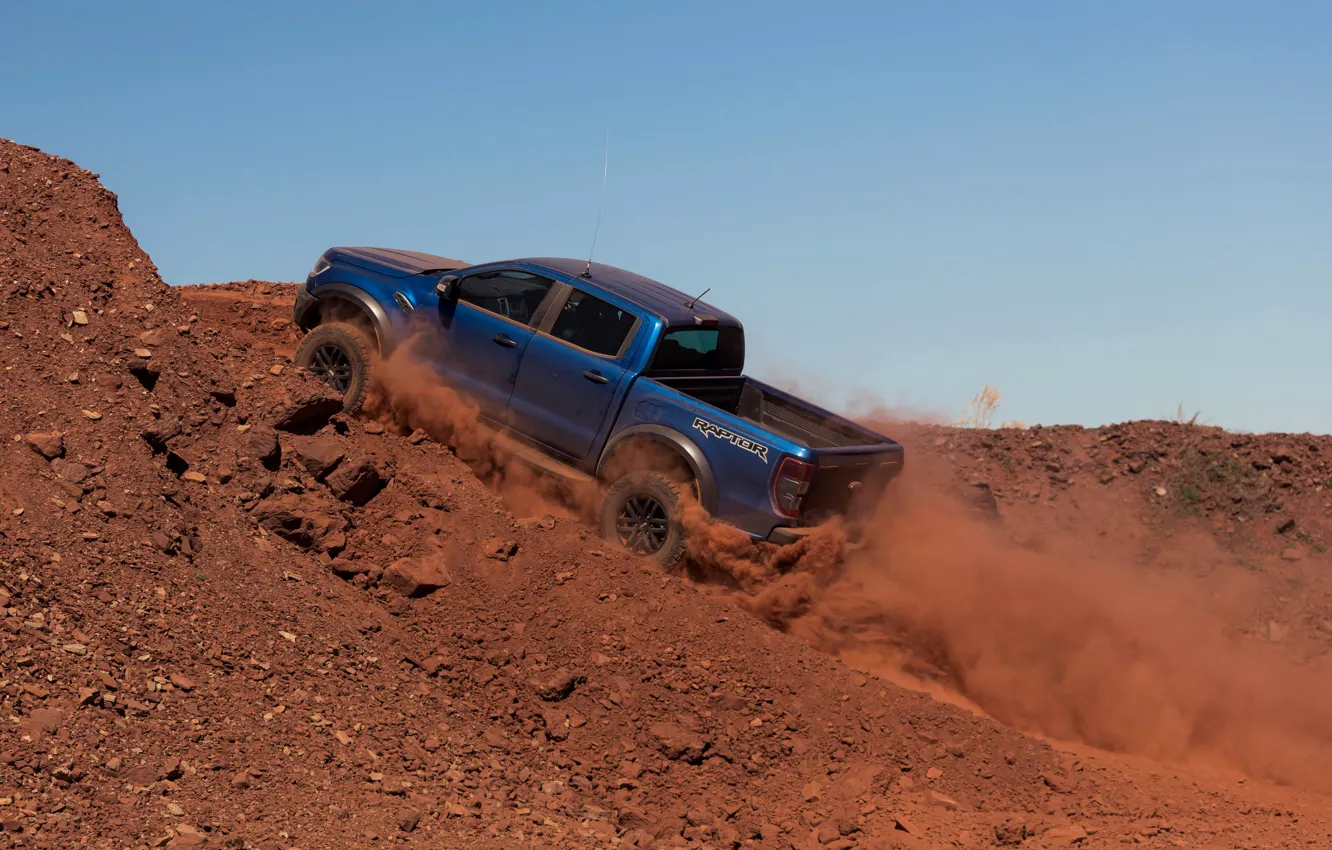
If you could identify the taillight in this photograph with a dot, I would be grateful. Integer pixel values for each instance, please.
(791, 485)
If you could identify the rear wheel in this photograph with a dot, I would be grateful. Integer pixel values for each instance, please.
(340, 355)
(641, 513)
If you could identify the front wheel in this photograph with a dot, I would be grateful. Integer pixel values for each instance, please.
(641, 513)
(340, 355)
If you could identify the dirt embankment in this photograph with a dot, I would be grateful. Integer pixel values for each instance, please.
(233, 618)
(1036, 576)
(957, 590)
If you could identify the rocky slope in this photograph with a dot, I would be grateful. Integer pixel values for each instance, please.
(233, 618)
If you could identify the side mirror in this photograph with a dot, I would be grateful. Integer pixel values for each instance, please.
(447, 288)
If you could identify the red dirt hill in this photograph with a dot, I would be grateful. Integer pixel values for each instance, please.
(233, 618)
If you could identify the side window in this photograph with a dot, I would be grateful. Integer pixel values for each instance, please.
(512, 294)
(588, 322)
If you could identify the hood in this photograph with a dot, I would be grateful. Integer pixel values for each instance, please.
(393, 262)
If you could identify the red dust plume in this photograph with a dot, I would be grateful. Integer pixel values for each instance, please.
(1086, 650)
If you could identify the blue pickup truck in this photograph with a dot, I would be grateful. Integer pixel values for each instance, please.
(599, 374)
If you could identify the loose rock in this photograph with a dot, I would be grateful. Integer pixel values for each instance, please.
(499, 549)
(416, 577)
(49, 445)
(264, 443)
(356, 482)
(319, 455)
(160, 432)
(678, 743)
(311, 404)
(555, 685)
(74, 473)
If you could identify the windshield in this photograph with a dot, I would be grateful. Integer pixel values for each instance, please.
(700, 349)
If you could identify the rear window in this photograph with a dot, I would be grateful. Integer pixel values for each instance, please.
(701, 349)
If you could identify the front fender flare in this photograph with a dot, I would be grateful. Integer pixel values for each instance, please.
(373, 310)
(688, 449)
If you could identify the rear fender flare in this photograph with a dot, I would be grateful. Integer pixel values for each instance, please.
(373, 310)
(682, 445)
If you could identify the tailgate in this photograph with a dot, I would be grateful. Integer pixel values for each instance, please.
(851, 478)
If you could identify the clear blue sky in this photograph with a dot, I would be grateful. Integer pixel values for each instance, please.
(1104, 209)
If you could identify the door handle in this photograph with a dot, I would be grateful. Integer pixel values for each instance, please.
(596, 377)
(503, 339)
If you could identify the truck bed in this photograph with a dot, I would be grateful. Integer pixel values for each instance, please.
(774, 410)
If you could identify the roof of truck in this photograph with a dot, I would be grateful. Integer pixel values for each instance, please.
(669, 303)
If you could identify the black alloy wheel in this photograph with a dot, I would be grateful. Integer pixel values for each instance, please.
(642, 525)
(332, 366)
(640, 513)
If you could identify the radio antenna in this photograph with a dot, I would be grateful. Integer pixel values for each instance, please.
(601, 206)
(691, 304)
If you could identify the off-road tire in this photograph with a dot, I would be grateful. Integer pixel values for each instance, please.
(635, 507)
(318, 353)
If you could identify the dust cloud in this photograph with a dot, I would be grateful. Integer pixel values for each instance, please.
(407, 394)
(1079, 648)
(1082, 649)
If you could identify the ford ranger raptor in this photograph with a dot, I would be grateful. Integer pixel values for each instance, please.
(599, 375)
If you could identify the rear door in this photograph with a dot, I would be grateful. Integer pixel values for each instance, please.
(572, 372)
(484, 335)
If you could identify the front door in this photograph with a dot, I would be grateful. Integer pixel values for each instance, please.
(569, 377)
(484, 334)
